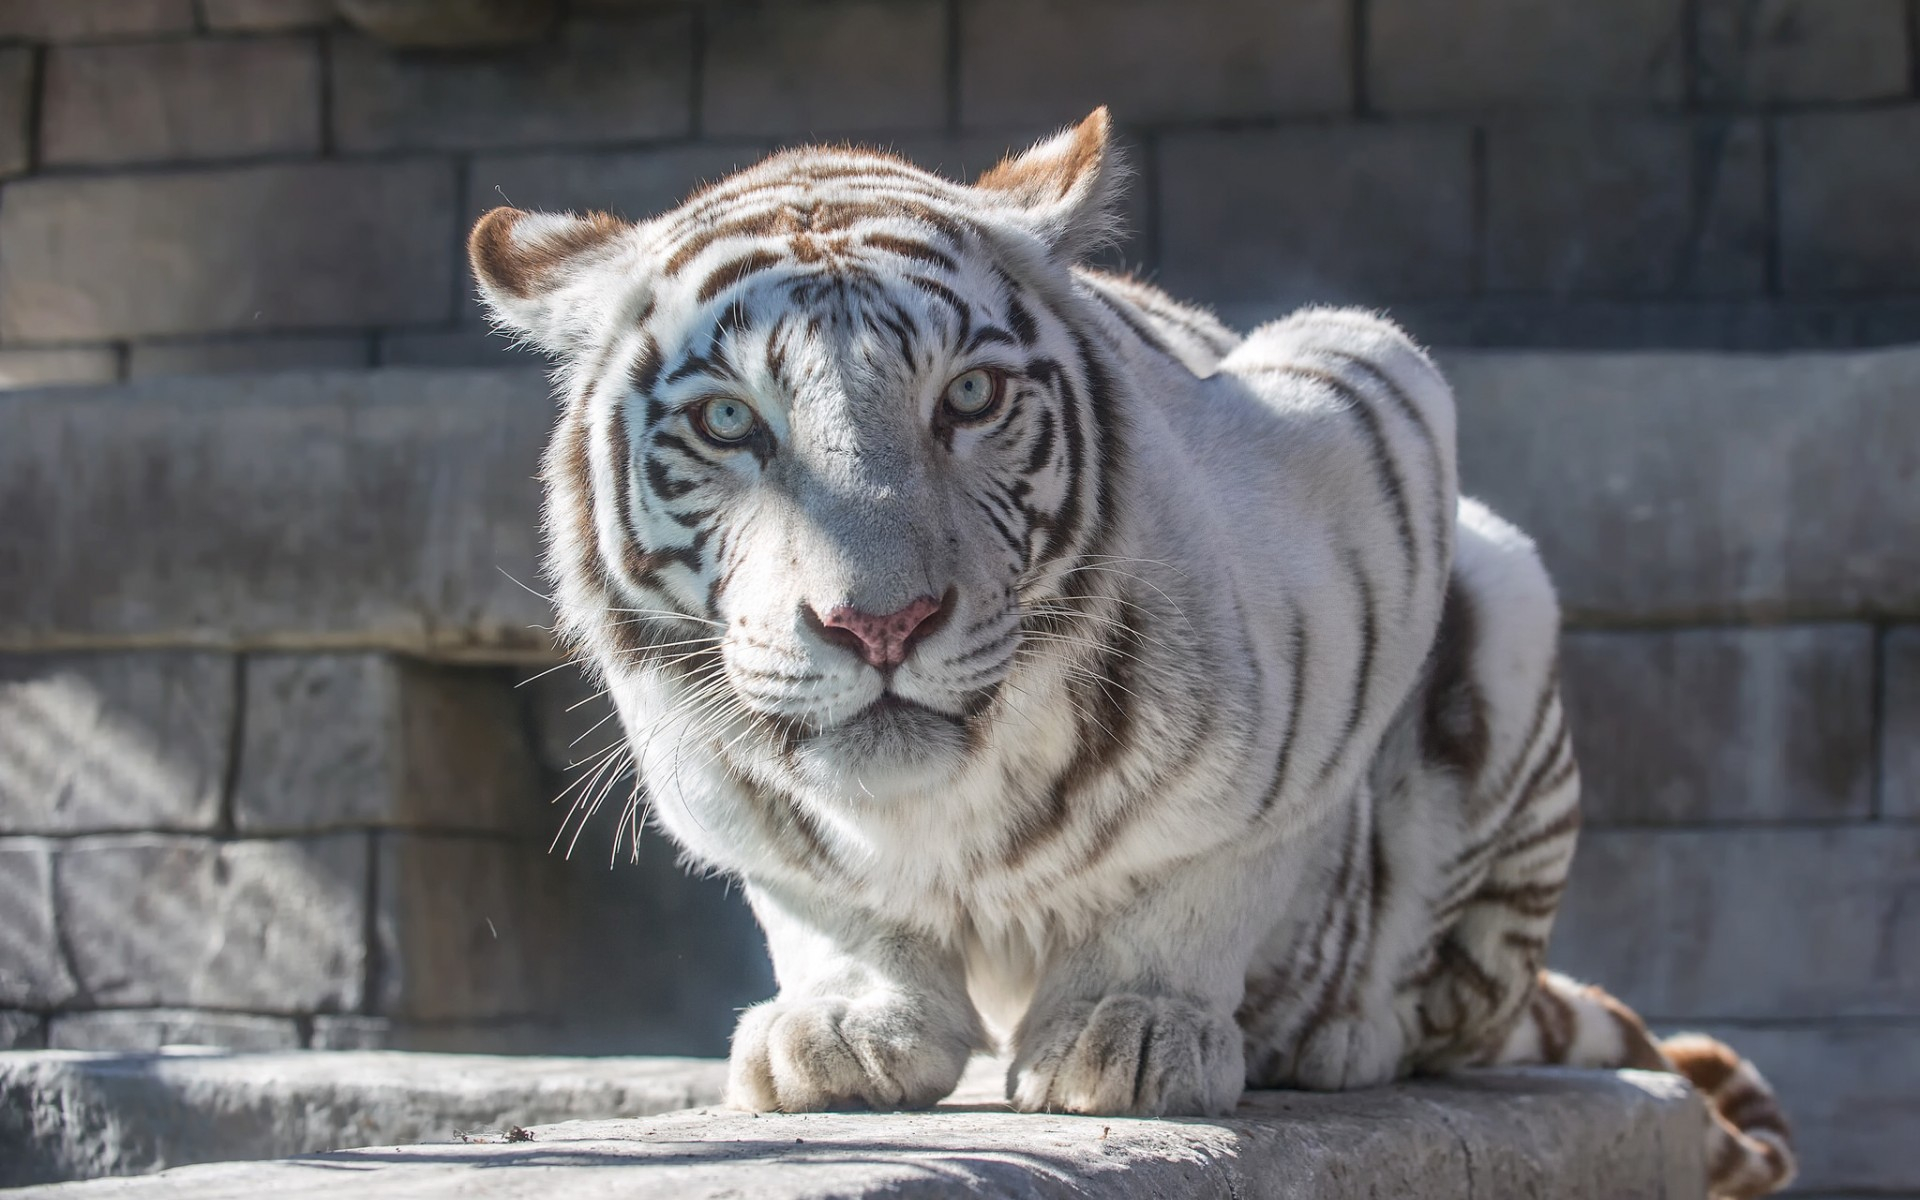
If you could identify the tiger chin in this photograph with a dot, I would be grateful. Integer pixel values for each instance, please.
(1062, 672)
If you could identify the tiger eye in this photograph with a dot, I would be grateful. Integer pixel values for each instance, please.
(725, 419)
(972, 393)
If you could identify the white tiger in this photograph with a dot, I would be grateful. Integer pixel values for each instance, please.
(1061, 671)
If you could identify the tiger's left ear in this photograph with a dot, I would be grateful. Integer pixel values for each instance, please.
(544, 275)
(1067, 187)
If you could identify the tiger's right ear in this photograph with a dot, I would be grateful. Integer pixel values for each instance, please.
(539, 272)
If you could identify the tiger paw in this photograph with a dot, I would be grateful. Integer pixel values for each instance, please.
(1130, 1055)
(1348, 1052)
(828, 1052)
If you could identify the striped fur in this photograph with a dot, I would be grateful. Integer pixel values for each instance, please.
(1235, 752)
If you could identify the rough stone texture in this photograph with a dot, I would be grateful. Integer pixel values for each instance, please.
(470, 347)
(471, 927)
(1766, 325)
(1477, 54)
(1849, 1091)
(72, 20)
(1053, 61)
(1900, 731)
(843, 66)
(633, 184)
(16, 108)
(33, 965)
(1578, 205)
(336, 740)
(573, 719)
(135, 740)
(1571, 1135)
(1690, 487)
(264, 925)
(42, 368)
(1722, 724)
(1689, 925)
(149, 359)
(258, 16)
(82, 1116)
(265, 248)
(1801, 51)
(1316, 214)
(451, 24)
(149, 1029)
(175, 100)
(597, 81)
(22, 1031)
(396, 508)
(1846, 200)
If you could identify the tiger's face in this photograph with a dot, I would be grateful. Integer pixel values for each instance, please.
(827, 449)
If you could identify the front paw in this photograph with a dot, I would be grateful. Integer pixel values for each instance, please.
(1130, 1055)
(825, 1052)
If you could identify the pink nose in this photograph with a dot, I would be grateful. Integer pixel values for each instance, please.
(883, 640)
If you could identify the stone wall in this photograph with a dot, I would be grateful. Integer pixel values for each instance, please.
(235, 184)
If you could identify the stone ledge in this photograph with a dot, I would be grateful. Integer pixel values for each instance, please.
(1570, 1135)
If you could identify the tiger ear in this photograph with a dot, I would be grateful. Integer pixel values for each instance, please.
(538, 271)
(1066, 186)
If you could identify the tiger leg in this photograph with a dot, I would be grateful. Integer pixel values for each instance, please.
(1568, 1023)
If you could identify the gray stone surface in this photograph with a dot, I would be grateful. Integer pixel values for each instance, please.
(573, 721)
(451, 24)
(180, 99)
(78, 1116)
(1685, 487)
(227, 355)
(16, 108)
(114, 741)
(1722, 724)
(257, 16)
(1691, 925)
(390, 508)
(1900, 733)
(22, 1030)
(1612, 207)
(1368, 214)
(1802, 51)
(63, 20)
(34, 972)
(148, 1029)
(368, 740)
(1846, 189)
(472, 927)
(839, 67)
(263, 248)
(43, 368)
(278, 925)
(474, 346)
(634, 184)
(1477, 54)
(1848, 1089)
(596, 81)
(1572, 1135)
(1053, 61)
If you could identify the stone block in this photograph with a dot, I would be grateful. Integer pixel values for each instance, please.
(114, 741)
(596, 81)
(1366, 214)
(83, 20)
(634, 184)
(264, 248)
(1702, 725)
(1900, 724)
(16, 109)
(1053, 61)
(148, 1029)
(1802, 51)
(573, 719)
(272, 926)
(355, 740)
(470, 347)
(33, 967)
(396, 508)
(174, 100)
(1700, 487)
(451, 24)
(1700, 924)
(41, 368)
(266, 16)
(823, 68)
(470, 927)
(22, 1031)
(1848, 1091)
(1849, 184)
(1498, 54)
(227, 355)
(1625, 207)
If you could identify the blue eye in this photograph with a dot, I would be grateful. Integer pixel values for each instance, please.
(725, 419)
(973, 393)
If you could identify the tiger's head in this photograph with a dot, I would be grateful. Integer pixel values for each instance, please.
(835, 436)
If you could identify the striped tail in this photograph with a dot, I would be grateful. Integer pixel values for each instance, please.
(1749, 1152)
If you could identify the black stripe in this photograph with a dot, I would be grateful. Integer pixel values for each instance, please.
(1363, 676)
